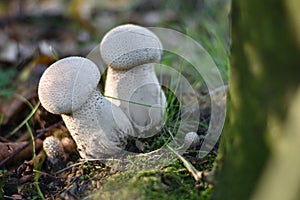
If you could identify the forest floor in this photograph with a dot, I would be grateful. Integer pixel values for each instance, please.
(31, 36)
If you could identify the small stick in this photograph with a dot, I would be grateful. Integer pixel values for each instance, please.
(49, 128)
(197, 175)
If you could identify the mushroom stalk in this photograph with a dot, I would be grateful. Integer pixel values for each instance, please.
(99, 128)
(143, 100)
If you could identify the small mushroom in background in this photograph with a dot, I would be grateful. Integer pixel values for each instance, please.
(54, 150)
(58, 151)
(130, 51)
(69, 87)
(191, 139)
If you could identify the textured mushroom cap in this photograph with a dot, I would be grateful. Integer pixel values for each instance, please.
(67, 84)
(129, 45)
(54, 151)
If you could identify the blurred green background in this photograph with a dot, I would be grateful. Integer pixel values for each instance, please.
(32, 30)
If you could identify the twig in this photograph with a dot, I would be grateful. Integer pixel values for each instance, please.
(3, 139)
(68, 167)
(197, 175)
(44, 130)
(14, 153)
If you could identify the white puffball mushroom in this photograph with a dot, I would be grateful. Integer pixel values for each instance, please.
(130, 51)
(55, 152)
(67, 84)
(69, 87)
(191, 139)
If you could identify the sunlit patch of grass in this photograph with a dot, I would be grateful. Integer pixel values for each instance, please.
(170, 182)
(208, 23)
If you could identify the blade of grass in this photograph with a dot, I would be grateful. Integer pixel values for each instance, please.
(133, 102)
(53, 52)
(36, 172)
(32, 139)
(25, 101)
(194, 172)
(25, 120)
(1, 119)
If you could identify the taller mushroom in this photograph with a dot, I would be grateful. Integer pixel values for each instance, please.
(69, 87)
(130, 51)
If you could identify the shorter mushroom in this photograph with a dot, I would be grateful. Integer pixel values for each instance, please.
(130, 52)
(54, 150)
(69, 87)
(191, 139)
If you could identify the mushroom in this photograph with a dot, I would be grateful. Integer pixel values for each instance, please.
(130, 51)
(54, 150)
(69, 87)
(191, 139)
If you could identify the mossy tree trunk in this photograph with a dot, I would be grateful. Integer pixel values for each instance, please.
(261, 133)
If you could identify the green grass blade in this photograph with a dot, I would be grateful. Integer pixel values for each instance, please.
(25, 120)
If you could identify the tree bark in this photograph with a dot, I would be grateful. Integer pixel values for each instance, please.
(264, 82)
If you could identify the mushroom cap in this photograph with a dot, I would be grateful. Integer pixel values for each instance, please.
(54, 151)
(127, 46)
(191, 139)
(67, 84)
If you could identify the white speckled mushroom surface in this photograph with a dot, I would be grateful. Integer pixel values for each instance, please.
(192, 139)
(99, 128)
(129, 45)
(54, 151)
(67, 83)
(139, 95)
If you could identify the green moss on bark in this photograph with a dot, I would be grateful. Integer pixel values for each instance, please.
(264, 74)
